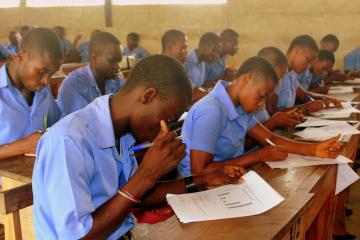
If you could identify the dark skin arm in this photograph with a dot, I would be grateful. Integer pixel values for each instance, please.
(302, 94)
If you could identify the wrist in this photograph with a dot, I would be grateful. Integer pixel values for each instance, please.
(200, 182)
(136, 189)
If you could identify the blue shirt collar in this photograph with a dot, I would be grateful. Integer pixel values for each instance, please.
(221, 94)
(91, 76)
(193, 57)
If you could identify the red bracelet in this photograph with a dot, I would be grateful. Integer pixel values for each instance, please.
(128, 196)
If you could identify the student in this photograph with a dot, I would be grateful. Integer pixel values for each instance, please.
(83, 48)
(174, 43)
(309, 79)
(352, 61)
(26, 103)
(99, 77)
(15, 41)
(329, 42)
(133, 48)
(218, 70)
(207, 52)
(216, 125)
(60, 31)
(24, 31)
(302, 51)
(85, 182)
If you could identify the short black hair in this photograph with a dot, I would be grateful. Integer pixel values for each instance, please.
(43, 40)
(209, 37)
(326, 55)
(331, 38)
(25, 28)
(228, 35)
(171, 36)
(304, 41)
(258, 65)
(274, 56)
(133, 36)
(161, 72)
(100, 40)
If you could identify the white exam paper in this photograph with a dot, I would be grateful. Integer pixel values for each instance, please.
(345, 177)
(295, 160)
(341, 89)
(318, 122)
(347, 109)
(252, 197)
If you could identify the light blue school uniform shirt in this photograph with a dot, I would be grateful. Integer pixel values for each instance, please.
(138, 52)
(216, 126)
(83, 49)
(4, 52)
(66, 45)
(18, 120)
(12, 49)
(80, 88)
(352, 60)
(195, 70)
(286, 90)
(78, 169)
(305, 79)
(262, 115)
(216, 70)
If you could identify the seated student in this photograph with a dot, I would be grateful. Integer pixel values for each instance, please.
(218, 70)
(26, 102)
(174, 43)
(352, 61)
(60, 31)
(302, 51)
(83, 48)
(216, 125)
(99, 77)
(15, 41)
(207, 52)
(280, 119)
(85, 181)
(132, 47)
(329, 42)
(318, 68)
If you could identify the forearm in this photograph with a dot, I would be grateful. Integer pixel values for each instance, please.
(302, 148)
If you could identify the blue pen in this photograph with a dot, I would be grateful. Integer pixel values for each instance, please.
(310, 98)
(147, 145)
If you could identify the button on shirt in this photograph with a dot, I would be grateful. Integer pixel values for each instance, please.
(80, 88)
(138, 52)
(18, 120)
(78, 169)
(216, 70)
(286, 90)
(195, 70)
(216, 126)
(352, 60)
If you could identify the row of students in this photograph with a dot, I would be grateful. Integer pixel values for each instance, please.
(85, 159)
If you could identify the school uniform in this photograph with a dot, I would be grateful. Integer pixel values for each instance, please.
(12, 49)
(286, 91)
(4, 52)
(83, 49)
(138, 52)
(305, 79)
(195, 69)
(66, 45)
(352, 60)
(77, 170)
(18, 119)
(80, 88)
(216, 126)
(262, 115)
(216, 70)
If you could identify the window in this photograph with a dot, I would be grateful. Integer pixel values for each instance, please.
(9, 3)
(157, 2)
(63, 3)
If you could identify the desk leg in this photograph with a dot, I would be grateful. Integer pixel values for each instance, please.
(25, 216)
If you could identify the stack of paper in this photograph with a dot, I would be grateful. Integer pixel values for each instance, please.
(253, 197)
(319, 122)
(295, 160)
(323, 133)
(341, 89)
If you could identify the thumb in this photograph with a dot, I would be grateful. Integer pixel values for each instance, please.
(163, 130)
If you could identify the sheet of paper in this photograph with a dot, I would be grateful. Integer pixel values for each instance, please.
(318, 122)
(340, 89)
(322, 133)
(347, 109)
(345, 177)
(253, 197)
(355, 81)
(295, 160)
(345, 96)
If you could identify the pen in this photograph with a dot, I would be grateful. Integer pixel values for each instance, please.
(270, 142)
(310, 98)
(147, 145)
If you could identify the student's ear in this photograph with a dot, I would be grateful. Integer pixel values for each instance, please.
(247, 78)
(148, 95)
(21, 55)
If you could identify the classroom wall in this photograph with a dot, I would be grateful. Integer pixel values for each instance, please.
(259, 22)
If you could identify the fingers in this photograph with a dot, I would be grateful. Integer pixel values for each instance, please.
(233, 170)
(163, 130)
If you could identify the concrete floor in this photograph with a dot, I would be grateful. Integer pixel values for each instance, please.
(353, 222)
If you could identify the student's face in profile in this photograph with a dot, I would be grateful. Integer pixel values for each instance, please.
(179, 49)
(302, 59)
(212, 52)
(106, 61)
(329, 46)
(230, 47)
(252, 97)
(35, 70)
(320, 67)
(145, 122)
